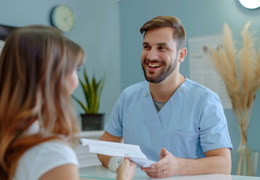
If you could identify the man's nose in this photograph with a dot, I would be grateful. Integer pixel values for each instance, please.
(152, 54)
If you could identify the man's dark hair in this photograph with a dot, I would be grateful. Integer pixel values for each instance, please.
(179, 33)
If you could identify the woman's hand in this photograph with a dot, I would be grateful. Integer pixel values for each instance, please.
(126, 170)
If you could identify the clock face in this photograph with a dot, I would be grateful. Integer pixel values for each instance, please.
(62, 18)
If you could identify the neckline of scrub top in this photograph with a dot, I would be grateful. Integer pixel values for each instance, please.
(150, 111)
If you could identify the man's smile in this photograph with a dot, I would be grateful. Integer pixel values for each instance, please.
(153, 65)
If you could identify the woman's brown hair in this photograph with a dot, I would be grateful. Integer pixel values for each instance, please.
(35, 65)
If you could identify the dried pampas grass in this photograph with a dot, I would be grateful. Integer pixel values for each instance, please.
(241, 75)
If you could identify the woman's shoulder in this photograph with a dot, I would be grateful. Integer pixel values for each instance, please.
(43, 157)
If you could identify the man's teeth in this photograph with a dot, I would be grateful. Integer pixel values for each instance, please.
(153, 65)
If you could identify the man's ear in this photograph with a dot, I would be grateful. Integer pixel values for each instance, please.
(182, 54)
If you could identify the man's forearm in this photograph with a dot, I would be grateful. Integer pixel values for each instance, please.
(104, 159)
(217, 161)
(207, 165)
(107, 137)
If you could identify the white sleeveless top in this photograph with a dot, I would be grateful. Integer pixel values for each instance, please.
(42, 158)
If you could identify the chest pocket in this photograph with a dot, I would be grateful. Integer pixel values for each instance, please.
(185, 145)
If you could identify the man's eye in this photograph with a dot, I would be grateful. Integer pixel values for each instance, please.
(162, 48)
(146, 47)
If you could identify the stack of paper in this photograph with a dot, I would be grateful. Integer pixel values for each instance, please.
(117, 149)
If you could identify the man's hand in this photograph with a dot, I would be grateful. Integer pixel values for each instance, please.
(166, 167)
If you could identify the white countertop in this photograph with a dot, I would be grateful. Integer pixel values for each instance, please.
(100, 172)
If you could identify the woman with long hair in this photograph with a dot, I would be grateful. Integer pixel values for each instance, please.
(38, 125)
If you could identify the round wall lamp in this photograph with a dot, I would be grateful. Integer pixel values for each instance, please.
(250, 4)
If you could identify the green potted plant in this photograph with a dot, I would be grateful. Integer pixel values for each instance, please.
(91, 119)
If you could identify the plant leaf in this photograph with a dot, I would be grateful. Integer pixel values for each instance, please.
(82, 105)
(92, 92)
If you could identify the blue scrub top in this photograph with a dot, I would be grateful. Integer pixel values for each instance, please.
(190, 123)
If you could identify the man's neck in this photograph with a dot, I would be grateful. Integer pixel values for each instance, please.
(164, 90)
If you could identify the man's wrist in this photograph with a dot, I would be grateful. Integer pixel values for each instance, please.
(114, 163)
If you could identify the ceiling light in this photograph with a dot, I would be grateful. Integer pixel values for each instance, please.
(250, 4)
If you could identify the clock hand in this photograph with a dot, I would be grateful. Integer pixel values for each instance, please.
(67, 17)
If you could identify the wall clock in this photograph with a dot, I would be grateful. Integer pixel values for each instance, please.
(62, 18)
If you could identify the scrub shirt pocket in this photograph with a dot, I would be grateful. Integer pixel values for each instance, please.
(185, 145)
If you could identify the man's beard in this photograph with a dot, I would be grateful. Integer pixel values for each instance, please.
(163, 74)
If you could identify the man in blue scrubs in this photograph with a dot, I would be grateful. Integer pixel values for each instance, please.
(175, 121)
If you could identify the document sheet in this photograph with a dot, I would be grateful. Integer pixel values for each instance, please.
(117, 149)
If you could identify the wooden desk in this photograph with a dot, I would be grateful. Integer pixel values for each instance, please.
(100, 172)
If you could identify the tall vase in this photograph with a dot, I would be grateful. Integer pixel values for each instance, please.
(245, 160)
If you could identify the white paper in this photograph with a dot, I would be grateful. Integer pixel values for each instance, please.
(202, 69)
(117, 149)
